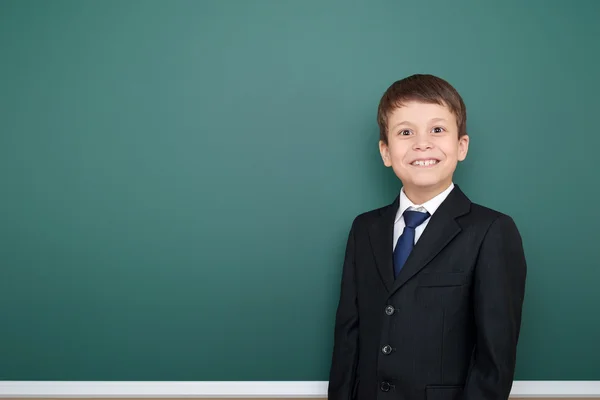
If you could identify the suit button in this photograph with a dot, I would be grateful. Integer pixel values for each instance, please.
(385, 387)
(389, 310)
(387, 349)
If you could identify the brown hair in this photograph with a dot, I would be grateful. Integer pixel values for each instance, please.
(422, 88)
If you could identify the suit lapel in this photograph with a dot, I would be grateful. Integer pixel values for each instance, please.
(440, 230)
(381, 235)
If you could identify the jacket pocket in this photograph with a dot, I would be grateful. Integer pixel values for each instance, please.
(435, 392)
(442, 279)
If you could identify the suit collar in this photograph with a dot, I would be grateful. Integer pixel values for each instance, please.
(381, 234)
(440, 230)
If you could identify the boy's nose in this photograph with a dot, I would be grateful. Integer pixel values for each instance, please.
(422, 144)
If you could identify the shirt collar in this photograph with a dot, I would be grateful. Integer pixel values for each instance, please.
(430, 206)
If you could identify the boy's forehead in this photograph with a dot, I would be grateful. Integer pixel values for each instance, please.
(415, 111)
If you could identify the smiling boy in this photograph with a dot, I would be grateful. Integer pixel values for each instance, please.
(432, 285)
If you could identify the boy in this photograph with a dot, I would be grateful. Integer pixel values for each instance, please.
(432, 285)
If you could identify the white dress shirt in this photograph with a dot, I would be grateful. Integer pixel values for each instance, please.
(430, 206)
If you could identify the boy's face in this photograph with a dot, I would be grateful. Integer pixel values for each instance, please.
(423, 147)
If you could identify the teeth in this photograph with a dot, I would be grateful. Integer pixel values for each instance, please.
(425, 163)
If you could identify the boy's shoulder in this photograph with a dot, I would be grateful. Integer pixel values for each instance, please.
(366, 218)
(486, 213)
(489, 219)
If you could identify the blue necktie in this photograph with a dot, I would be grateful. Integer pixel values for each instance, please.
(406, 241)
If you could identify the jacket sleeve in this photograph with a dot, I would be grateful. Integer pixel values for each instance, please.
(342, 376)
(499, 289)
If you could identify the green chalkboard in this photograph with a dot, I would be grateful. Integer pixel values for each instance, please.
(178, 177)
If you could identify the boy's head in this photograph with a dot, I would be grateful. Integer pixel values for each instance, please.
(422, 122)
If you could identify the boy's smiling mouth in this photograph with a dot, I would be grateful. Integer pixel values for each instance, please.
(424, 163)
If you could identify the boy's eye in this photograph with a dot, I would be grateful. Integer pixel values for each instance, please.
(404, 132)
(438, 129)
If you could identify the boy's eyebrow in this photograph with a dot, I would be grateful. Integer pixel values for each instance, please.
(402, 123)
(438, 120)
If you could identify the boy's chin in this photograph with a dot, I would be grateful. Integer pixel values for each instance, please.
(426, 185)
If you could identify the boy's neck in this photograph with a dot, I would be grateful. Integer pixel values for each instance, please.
(422, 195)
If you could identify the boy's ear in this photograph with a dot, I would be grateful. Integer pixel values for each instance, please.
(463, 147)
(385, 153)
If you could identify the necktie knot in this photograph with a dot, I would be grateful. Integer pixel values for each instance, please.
(412, 219)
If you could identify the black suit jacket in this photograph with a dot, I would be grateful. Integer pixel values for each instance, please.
(447, 327)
